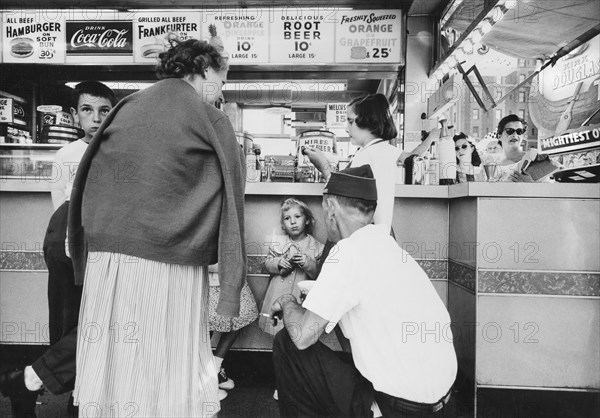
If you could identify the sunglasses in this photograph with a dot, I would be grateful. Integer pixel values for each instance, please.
(510, 131)
(463, 146)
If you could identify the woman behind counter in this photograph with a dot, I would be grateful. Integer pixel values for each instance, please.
(370, 126)
(511, 132)
(158, 196)
(468, 162)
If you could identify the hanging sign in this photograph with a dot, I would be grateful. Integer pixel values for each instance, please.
(582, 65)
(20, 113)
(302, 36)
(369, 36)
(152, 29)
(245, 33)
(31, 36)
(292, 35)
(98, 40)
(6, 110)
(574, 140)
(336, 115)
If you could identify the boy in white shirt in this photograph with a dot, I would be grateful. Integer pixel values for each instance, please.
(55, 369)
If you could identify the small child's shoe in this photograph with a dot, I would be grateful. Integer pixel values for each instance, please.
(222, 394)
(224, 381)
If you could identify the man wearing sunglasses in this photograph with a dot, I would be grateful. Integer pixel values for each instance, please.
(511, 132)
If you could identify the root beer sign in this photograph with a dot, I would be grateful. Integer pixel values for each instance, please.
(302, 36)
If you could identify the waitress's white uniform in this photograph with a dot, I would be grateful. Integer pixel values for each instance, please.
(382, 157)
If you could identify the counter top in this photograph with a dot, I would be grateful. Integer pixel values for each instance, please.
(476, 189)
(530, 190)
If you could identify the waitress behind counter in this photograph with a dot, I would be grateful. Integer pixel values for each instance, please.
(370, 126)
(159, 195)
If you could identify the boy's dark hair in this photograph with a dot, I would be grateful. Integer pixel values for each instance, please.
(93, 88)
(505, 121)
(189, 57)
(373, 113)
(366, 207)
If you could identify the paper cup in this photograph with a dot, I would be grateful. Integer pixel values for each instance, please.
(305, 286)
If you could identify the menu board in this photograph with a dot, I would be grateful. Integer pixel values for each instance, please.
(250, 36)
(245, 33)
(301, 36)
(151, 30)
(368, 36)
(30, 36)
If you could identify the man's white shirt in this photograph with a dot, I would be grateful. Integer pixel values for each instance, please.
(398, 327)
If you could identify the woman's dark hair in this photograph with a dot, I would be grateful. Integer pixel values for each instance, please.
(373, 113)
(505, 121)
(475, 158)
(93, 88)
(188, 57)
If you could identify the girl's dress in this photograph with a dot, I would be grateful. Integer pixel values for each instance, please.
(248, 309)
(283, 246)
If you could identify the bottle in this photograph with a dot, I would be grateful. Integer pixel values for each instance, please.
(263, 168)
(447, 157)
(418, 171)
(433, 166)
(426, 168)
(252, 174)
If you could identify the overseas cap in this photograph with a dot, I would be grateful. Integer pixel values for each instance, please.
(354, 182)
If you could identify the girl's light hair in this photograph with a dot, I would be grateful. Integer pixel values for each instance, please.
(291, 202)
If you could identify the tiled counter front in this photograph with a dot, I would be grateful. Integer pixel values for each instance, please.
(425, 243)
(26, 210)
(538, 293)
(23, 276)
(517, 266)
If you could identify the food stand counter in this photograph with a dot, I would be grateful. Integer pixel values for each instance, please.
(516, 264)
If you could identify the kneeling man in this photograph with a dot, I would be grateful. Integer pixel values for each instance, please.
(399, 329)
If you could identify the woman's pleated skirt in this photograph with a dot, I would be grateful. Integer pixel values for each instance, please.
(143, 346)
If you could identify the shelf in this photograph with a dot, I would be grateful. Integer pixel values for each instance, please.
(403, 191)
(33, 146)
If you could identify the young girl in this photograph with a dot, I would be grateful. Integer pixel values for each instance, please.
(291, 260)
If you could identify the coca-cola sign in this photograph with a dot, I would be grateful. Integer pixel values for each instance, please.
(99, 38)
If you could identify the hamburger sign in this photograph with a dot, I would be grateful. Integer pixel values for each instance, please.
(33, 37)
